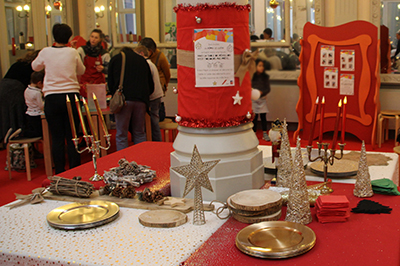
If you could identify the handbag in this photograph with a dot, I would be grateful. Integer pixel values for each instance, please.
(118, 100)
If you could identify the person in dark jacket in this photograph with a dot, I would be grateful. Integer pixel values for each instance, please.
(260, 81)
(137, 86)
(12, 101)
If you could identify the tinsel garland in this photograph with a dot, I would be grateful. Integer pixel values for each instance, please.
(202, 7)
(205, 123)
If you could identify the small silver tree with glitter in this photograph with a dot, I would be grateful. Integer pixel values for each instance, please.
(196, 173)
(285, 162)
(298, 207)
(362, 187)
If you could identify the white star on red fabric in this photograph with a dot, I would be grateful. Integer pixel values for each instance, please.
(237, 99)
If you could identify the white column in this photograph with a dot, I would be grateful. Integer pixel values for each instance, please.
(329, 13)
(364, 10)
(86, 18)
(4, 48)
(38, 14)
(151, 27)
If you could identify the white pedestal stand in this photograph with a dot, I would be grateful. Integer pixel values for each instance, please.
(241, 166)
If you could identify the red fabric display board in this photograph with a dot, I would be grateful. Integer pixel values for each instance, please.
(208, 107)
(359, 37)
(365, 239)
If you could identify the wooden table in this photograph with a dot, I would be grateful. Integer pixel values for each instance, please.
(48, 161)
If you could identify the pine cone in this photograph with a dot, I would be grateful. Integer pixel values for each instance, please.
(129, 192)
(123, 162)
(158, 195)
(117, 192)
(129, 168)
(107, 189)
(147, 195)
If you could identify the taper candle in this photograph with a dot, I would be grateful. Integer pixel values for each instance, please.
(71, 118)
(321, 120)
(100, 114)
(335, 134)
(78, 106)
(313, 117)
(89, 118)
(344, 119)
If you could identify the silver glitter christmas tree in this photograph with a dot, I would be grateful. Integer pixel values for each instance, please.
(285, 162)
(298, 207)
(362, 187)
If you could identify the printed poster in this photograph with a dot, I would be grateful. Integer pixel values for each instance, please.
(214, 57)
(331, 77)
(347, 60)
(346, 84)
(327, 55)
(170, 31)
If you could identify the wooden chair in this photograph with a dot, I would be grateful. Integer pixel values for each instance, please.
(383, 125)
(167, 125)
(25, 144)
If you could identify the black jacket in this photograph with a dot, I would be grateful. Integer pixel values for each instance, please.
(261, 82)
(138, 82)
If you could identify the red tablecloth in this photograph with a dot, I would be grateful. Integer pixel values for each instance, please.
(365, 239)
(153, 154)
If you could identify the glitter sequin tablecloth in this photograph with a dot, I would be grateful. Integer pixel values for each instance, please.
(27, 239)
(365, 239)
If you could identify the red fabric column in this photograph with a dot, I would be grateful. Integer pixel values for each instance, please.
(205, 106)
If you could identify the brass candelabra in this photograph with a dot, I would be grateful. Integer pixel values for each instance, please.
(327, 156)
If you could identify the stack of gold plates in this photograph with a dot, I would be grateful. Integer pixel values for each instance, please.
(275, 240)
(255, 205)
(83, 215)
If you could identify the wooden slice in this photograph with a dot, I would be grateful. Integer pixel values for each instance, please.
(162, 218)
(255, 199)
(257, 219)
(341, 168)
(268, 211)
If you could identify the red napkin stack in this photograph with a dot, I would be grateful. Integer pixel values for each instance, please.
(332, 208)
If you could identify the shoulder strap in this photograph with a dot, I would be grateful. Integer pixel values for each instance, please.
(158, 57)
(121, 79)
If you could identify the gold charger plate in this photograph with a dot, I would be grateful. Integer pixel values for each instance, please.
(83, 215)
(340, 168)
(275, 239)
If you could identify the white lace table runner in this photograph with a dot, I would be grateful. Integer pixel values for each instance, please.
(27, 239)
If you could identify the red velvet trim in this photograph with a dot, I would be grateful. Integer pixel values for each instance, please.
(183, 7)
(202, 106)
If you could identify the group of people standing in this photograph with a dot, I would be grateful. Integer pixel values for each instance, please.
(145, 81)
(61, 70)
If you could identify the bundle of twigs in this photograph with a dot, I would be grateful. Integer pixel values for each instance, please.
(70, 187)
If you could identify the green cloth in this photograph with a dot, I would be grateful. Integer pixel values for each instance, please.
(384, 186)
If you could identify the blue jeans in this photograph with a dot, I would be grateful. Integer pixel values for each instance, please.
(155, 119)
(132, 113)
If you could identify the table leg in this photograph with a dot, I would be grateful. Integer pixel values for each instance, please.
(48, 163)
(148, 127)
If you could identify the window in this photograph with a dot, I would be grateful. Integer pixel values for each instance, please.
(128, 20)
